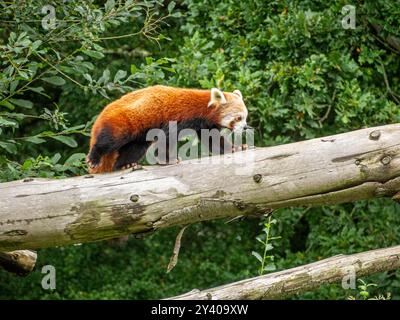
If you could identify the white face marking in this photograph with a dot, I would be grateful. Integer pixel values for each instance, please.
(242, 123)
(235, 121)
(239, 126)
(233, 111)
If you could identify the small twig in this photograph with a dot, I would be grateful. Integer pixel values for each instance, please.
(174, 258)
(328, 111)
(234, 219)
(386, 45)
(59, 71)
(388, 88)
(39, 76)
(122, 36)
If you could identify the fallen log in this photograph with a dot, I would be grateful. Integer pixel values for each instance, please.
(277, 285)
(38, 213)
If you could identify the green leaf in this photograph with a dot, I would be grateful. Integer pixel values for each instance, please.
(110, 4)
(93, 54)
(7, 123)
(260, 239)
(134, 69)
(257, 255)
(36, 44)
(7, 104)
(9, 147)
(149, 60)
(120, 75)
(23, 74)
(74, 128)
(22, 103)
(69, 141)
(176, 14)
(88, 77)
(35, 139)
(269, 247)
(13, 85)
(75, 158)
(171, 6)
(27, 164)
(169, 69)
(39, 90)
(270, 267)
(56, 158)
(105, 77)
(57, 81)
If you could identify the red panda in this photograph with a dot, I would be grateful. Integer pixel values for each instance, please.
(118, 137)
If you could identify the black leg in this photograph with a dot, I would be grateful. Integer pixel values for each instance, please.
(163, 155)
(105, 144)
(215, 144)
(131, 153)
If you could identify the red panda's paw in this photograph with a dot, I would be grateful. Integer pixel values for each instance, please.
(243, 147)
(165, 163)
(90, 164)
(133, 166)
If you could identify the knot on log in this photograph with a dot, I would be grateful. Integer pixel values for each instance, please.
(374, 135)
(386, 160)
(134, 198)
(257, 178)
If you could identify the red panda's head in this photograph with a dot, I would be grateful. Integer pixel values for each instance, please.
(231, 109)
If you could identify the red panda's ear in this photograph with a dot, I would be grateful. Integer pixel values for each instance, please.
(238, 93)
(217, 97)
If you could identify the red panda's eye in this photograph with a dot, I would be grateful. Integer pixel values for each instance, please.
(239, 118)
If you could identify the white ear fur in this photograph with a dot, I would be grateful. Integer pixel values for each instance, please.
(217, 96)
(238, 93)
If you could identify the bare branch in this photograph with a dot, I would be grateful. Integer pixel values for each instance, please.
(20, 262)
(341, 268)
(174, 258)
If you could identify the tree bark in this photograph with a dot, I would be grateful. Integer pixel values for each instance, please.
(281, 284)
(21, 262)
(362, 164)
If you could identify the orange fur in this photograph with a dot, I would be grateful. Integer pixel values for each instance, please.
(147, 108)
(106, 163)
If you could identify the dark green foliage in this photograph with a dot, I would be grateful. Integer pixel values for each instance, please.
(52, 54)
(302, 76)
(137, 270)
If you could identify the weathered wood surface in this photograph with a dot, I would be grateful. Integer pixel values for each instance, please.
(281, 284)
(20, 262)
(38, 213)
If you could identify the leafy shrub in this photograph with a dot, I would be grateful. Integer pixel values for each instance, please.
(44, 57)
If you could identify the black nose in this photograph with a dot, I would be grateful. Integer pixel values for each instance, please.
(247, 127)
